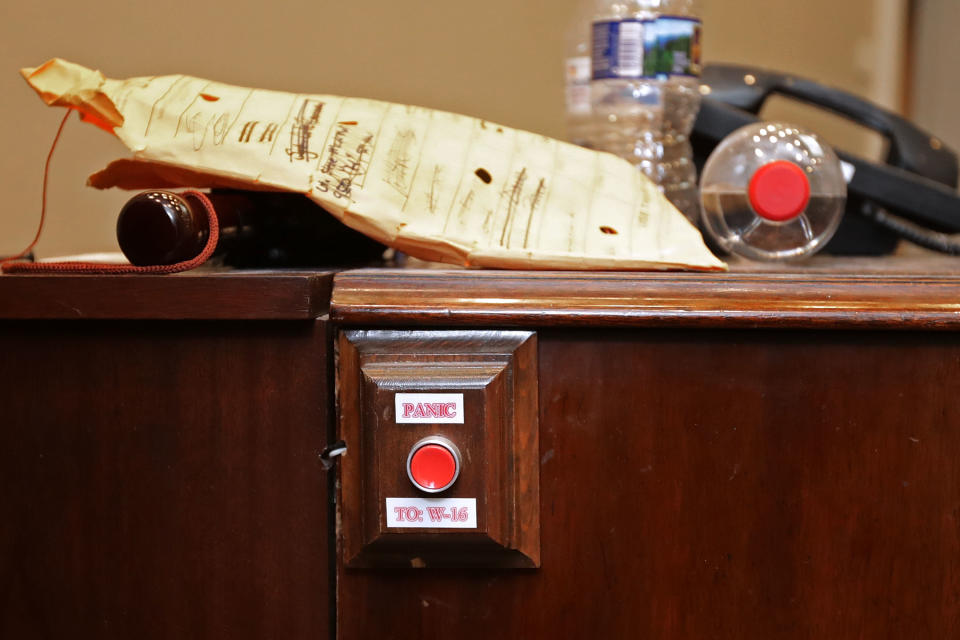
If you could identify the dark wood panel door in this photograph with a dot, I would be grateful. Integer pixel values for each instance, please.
(722, 484)
(159, 479)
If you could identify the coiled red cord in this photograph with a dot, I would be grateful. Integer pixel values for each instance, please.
(11, 264)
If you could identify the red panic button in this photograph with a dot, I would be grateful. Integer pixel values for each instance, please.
(433, 464)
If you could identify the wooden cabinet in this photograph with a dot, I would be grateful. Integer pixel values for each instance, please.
(745, 455)
(726, 456)
(158, 457)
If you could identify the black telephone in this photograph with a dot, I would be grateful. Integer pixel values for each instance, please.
(914, 195)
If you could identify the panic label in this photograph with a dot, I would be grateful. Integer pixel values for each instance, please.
(430, 408)
(432, 513)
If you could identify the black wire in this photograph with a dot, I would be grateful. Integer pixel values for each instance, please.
(934, 240)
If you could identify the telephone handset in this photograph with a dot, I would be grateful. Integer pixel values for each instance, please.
(913, 195)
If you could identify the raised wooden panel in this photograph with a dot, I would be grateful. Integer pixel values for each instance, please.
(496, 372)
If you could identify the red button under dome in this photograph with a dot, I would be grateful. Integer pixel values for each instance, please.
(433, 467)
(779, 191)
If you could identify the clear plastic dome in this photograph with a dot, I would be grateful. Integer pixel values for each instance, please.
(772, 191)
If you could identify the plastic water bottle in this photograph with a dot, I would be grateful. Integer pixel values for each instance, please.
(577, 73)
(772, 192)
(645, 90)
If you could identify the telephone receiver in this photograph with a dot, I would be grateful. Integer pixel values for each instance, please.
(912, 195)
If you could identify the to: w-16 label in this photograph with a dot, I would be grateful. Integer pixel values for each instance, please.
(432, 513)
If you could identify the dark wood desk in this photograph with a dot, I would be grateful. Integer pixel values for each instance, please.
(745, 455)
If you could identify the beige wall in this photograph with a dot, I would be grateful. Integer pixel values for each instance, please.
(498, 59)
(935, 92)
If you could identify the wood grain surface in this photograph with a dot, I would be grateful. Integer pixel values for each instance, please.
(912, 297)
(739, 484)
(201, 294)
(160, 479)
(759, 454)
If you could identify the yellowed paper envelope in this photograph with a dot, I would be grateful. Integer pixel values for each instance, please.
(436, 185)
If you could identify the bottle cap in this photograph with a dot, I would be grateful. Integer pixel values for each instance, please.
(779, 191)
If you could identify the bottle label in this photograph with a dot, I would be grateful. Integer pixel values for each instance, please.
(672, 46)
(666, 46)
(618, 49)
(578, 85)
